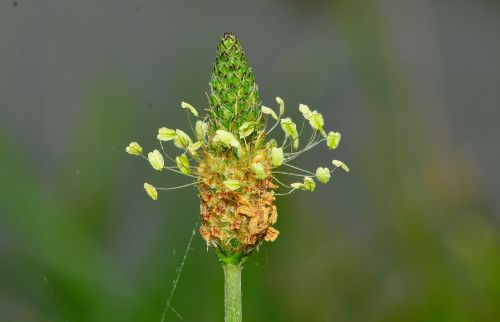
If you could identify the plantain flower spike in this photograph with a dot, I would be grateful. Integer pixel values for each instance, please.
(234, 162)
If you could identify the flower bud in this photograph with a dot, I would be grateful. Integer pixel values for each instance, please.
(156, 160)
(151, 191)
(134, 148)
(323, 174)
(183, 164)
(333, 140)
(190, 108)
(276, 156)
(165, 134)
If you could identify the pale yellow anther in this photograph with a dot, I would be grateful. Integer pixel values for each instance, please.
(201, 130)
(165, 134)
(226, 139)
(309, 184)
(290, 130)
(190, 108)
(151, 191)
(183, 164)
(134, 148)
(194, 147)
(281, 103)
(182, 140)
(333, 140)
(276, 156)
(306, 112)
(269, 111)
(341, 164)
(316, 121)
(323, 174)
(156, 160)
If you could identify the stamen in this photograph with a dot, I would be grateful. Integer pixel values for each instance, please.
(286, 193)
(179, 187)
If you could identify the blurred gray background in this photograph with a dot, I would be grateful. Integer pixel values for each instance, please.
(411, 234)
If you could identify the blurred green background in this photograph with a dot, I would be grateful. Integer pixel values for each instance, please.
(411, 234)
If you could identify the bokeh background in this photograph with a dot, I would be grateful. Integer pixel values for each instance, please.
(411, 234)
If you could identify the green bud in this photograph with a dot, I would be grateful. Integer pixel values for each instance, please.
(134, 148)
(151, 191)
(226, 139)
(306, 112)
(183, 164)
(333, 140)
(290, 129)
(165, 134)
(258, 169)
(190, 108)
(276, 156)
(182, 140)
(323, 174)
(246, 129)
(234, 97)
(232, 184)
(156, 160)
(267, 110)
(297, 185)
(201, 130)
(341, 164)
(281, 103)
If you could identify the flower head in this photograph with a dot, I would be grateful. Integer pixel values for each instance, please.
(234, 162)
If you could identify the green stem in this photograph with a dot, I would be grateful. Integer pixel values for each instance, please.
(232, 292)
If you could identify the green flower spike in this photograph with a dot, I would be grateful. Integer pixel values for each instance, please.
(236, 164)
